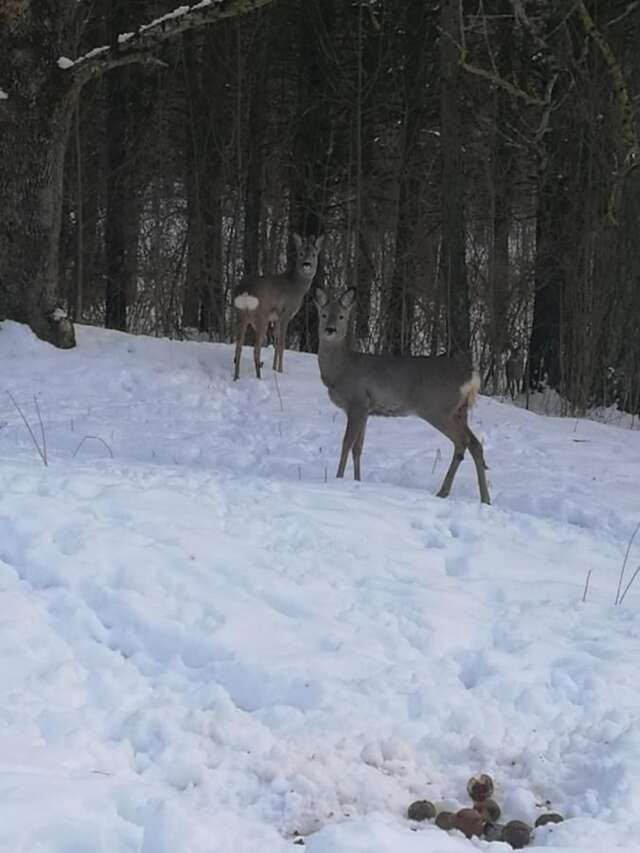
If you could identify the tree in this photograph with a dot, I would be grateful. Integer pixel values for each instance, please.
(453, 264)
(42, 89)
(416, 73)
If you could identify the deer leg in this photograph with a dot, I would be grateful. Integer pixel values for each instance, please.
(358, 444)
(240, 336)
(455, 429)
(257, 348)
(282, 337)
(355, 424)
(458, 456)
(275, 326)
(475, 449)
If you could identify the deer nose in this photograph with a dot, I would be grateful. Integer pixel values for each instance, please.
(330, 330)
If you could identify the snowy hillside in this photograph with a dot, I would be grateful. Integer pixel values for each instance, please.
(205, 647)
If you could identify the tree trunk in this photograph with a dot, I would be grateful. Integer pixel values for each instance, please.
(544, 349)
(255, 157)
(120, 231)
(400, 307)
(453, 263)
(203, 305)
(34, 125)
(499, 180)
(121, 226)
(312, 148)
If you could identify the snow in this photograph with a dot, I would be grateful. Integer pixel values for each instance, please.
(178, 12)
(205, 647)
(3, 95)
(65, 63)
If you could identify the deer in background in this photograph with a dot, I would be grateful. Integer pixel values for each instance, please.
(275, 299)
(514, 369)
(437, 389)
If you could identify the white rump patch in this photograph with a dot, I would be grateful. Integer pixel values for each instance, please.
(470, 390)
(246, 302)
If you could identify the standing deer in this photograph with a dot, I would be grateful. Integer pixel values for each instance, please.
(439, 390)
(514, 369)
(275, 299)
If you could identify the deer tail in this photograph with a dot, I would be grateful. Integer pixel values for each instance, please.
(246, 302)
(470, 389)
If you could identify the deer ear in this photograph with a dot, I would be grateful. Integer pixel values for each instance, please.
(297, 239)
(319, 242)
(348, 298)
(321, 297)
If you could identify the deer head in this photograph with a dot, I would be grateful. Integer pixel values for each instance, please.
(307, 251)
(333, 315)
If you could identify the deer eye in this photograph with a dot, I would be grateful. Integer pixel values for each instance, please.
(341, 317)
(324, 316)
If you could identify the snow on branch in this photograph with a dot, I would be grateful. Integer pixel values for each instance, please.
(136, 47)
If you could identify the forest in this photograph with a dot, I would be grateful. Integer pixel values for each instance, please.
(472, 166)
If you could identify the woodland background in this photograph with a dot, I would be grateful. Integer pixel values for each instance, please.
(472, 165)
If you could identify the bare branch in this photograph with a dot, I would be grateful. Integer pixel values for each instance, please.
(631, 7)
(491, 76)
(136, 47)
(620, 91)
(501, 83)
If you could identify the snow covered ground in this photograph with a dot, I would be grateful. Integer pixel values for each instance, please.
(208, 644)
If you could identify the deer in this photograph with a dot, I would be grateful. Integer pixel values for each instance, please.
(275, 299)
(514, 370)
(438, 389)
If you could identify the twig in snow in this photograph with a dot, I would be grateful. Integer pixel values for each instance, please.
(275, 379)
(586, 586)
(94, 438)
(42, 431)
(628, 586)
(41, 452)
(624, 563)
